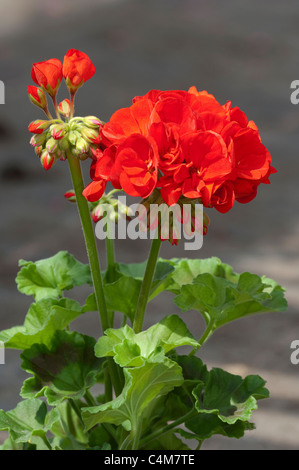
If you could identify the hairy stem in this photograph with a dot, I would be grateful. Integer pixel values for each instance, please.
(90, 242)
(75, 168)
(146, 285)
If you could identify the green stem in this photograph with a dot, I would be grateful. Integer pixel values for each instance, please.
(146, 285)
(125, 443)
(110, 253)
(72, 103)
(166, 429)
(207, 333)
(89, 399)
(110, 264)
(137, 430)
(76, 409)
(78, 184)
(75, 168)
(199, 445)
(56, 107)
(48, 114)
(108, 384)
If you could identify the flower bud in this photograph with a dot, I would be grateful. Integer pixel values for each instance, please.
(77, 69)
(38, 126)
(37, 97)
(70, 196)
(64, 144)
(38, 150)
(52, 145)
(58, 131)
(97, 213)
(65, 107)
(91, 135)
(48, 75)
(92, 121)
(38, 139)
(73, 137)
(117, 209)
(47, 159)
(82, 146)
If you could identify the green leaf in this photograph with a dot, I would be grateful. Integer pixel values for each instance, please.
(43, 319)
(122, 294)
(167, 441)
(131, 349)
(65, 370)
(25, 421)
(186, 270)
(162, 273)
(229, 396)
(222, 403)
(221, 300)
(10, 444)
(50, 277)
(205, 426)
(67, 428)
(143, 388)
(98, 438)
(105, 344)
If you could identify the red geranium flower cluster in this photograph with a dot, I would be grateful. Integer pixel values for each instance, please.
(186, 144)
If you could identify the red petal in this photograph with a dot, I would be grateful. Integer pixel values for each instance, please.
(95, 190)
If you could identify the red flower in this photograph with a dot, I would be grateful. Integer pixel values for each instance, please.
(189, 146)
(77, 69)
(48, 75)
(132, 166)
(95, 190)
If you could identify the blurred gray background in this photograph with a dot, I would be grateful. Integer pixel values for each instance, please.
(246, 52)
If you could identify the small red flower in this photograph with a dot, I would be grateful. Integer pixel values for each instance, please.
(132, 166)
(95, 190)
(48, 75)
(77, 69)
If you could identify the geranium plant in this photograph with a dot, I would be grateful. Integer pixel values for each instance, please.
(174, 148)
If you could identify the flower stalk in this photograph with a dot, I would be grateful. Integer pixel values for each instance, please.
(77, 179)
(146, 285)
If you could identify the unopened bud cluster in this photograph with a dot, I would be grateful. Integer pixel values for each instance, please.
(108, 206)
(53, 139)
(114, 208)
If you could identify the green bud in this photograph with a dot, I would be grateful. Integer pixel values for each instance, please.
(52, 145)
(72, 137)
(82, 146)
